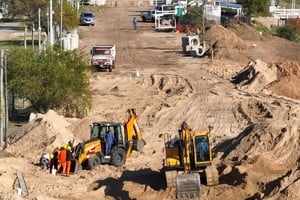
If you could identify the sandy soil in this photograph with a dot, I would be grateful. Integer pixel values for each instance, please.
(249, 93)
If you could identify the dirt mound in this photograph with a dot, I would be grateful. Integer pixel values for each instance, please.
(288, 80)
(256, 76)
(226, 43)
(280, 78)
(42, 134)
(243, 30)
(271, 135)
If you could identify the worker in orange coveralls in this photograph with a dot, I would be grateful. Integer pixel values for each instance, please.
(62, 159)
(68, 158)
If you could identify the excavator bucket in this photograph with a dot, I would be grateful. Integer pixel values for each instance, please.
(138, 144)
(188, 186)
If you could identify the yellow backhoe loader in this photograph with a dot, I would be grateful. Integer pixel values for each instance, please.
(91, 153)
(188, 160)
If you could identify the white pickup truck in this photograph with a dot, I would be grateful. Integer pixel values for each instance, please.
(148, 15)
(103, 57)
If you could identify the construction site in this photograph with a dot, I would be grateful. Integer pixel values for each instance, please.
(244, 102)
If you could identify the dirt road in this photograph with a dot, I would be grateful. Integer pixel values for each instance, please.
(256, 131)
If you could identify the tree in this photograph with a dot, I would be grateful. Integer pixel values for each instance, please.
(26, 8)
(30, 8)
(70, 19)
(53, 80)
(193, 17)
(255, 7)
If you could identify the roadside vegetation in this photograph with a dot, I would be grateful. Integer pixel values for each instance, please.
(52, 80)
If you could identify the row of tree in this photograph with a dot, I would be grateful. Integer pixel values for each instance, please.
(29, 9)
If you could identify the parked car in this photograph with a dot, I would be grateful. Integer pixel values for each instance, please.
(87, 18)
(148, 15)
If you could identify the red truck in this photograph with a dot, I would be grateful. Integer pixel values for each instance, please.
(103, 57)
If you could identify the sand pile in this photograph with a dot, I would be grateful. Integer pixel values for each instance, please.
(281, 78)
(225, 42)
(266, 145)
(288, 80)
(256, 76)
(243, 30)
(42, 134)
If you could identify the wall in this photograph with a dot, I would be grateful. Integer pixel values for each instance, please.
(295, 22)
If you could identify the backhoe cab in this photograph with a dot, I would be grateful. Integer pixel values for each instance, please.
(188, 157)
(127, 137)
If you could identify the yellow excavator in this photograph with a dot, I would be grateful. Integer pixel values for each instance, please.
(91, 153)
(188, 160)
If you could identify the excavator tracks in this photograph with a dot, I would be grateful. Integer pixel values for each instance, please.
(212, 176)
(171, 178)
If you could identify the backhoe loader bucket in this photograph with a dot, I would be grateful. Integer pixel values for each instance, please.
(188, 186)
(138, 144)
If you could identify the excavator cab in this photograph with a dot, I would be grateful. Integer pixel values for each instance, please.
(203, 155)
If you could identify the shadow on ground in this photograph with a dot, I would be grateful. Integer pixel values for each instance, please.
(114, 187)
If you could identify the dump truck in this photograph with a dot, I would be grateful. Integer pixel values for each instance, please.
(103, 57)
(188, 158)
(127, 137)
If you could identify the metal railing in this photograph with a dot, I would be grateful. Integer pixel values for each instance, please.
(283, 13)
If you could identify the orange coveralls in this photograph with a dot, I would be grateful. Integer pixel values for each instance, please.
(62, 160)
(68, 163)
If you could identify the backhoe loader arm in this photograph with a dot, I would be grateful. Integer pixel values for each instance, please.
(132, 127)
(134, 135)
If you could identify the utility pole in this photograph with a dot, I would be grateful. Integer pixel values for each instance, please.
(1, 99)
(39, 29)
(5, 102)
(293, 4)
(61, 24)
(32, 37)
(25, 37)
(51, 24)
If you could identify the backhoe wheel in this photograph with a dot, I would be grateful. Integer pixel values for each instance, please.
(118, 157)
(138, 144)
(93, 162)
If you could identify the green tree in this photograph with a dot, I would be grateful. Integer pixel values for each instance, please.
(193, 17)
(26, 8)
(69, 16)
(53, 80)
(255, 7)
(30, 8)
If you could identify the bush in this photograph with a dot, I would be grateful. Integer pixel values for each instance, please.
(288, 32)
(52, 80)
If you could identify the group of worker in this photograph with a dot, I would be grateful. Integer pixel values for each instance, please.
(58, 161)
